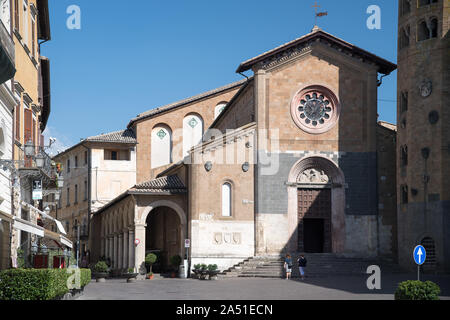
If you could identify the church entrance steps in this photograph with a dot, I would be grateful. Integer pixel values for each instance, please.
(319, 265)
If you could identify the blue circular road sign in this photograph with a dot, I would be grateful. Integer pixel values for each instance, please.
(420, 255)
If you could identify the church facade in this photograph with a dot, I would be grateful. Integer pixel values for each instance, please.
(289, 160)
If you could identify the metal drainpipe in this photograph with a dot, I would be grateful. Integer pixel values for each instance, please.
(89, 186)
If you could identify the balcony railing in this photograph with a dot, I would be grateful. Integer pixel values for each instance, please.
(26, 163)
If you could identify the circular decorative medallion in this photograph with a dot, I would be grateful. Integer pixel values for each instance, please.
(426, 87)
(208, 166)
(315, 109)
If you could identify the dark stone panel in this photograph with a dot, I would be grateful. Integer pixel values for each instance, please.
(360, 175)
(446, 227)
(360, 170)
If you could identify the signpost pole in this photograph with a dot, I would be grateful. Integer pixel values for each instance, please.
(418, 273)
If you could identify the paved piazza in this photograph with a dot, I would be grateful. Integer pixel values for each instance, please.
(330, 288)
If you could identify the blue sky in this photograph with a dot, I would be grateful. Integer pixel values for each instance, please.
(132, 56)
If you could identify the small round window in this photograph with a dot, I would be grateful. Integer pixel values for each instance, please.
(315, 109)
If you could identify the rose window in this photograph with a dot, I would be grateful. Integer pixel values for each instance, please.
(315, 109)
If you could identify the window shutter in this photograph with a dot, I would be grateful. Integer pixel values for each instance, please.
(28, 133)
(16, 15)
(33, 132)
(18, 122)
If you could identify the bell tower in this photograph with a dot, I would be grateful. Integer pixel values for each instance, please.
(423, 139)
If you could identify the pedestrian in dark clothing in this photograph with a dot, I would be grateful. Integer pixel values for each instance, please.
(301, 266)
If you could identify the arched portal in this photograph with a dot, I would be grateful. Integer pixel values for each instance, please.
(163, 236)
(316, 209)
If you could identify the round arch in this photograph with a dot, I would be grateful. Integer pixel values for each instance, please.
(337, 178)
(163, 203)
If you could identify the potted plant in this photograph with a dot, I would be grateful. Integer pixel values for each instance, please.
(212, 271)
(175, 262)
(101, 271)
(203, 271)
(196, 271)
(150, 259)
(150, 275)
(130, 275)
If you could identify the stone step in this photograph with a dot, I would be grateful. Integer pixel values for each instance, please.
(318, 265)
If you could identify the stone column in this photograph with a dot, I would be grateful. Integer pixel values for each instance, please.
(139, 258)
(106, 254)
(115, 265)
(102, 247)
(111, 247)
(131, 262)
(120, 252)
(125, 250)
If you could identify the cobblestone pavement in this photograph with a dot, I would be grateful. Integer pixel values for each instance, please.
(330, 288)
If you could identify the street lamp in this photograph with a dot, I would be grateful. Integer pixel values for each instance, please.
(29, 148)
(40, 160)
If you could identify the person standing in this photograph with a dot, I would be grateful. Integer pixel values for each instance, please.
(301, 266)
(288, 266)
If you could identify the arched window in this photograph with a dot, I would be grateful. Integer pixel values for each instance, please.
(404, 37)
(219, 108)
(192, 132)
(404, 156)
(405, 6)
(426, 2)
(434, 28)
(161, 151)
(423, 33)
(226, 200)
(404, 194)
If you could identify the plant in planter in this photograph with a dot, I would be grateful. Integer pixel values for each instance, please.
(130, 275)
(101, 271)
(203, 271)
(150, 259)
(150, 275)
(175, 261)
(212, 271)
(196, 271)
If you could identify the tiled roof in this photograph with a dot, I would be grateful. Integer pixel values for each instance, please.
(168, 184)
(123, 136)
(180, 103)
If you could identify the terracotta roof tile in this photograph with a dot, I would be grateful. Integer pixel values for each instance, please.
(123, 136)
(168, 184)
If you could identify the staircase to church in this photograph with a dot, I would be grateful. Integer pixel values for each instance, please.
(319, 265)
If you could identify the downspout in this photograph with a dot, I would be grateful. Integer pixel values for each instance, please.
(89, 195)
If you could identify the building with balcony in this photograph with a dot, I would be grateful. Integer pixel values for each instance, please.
(7, 105)
(26, 169)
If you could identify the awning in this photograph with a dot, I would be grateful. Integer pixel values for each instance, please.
(60, 226)
(66, 242)
(7, 69)
(27, 226)
(58, 238)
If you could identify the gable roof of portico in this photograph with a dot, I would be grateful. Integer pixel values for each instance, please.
(318, 34)
(168, 185)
